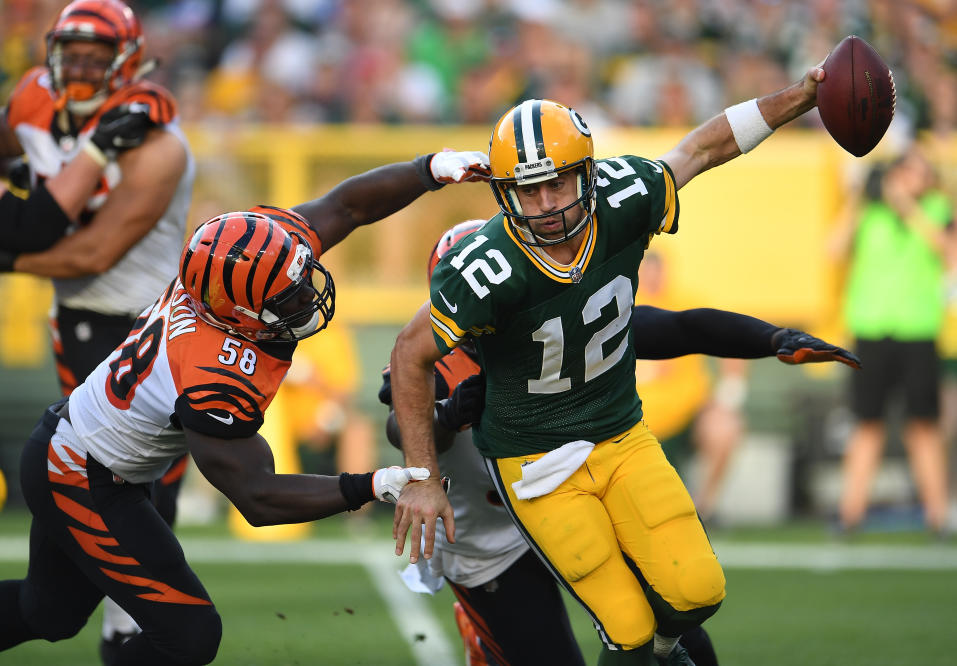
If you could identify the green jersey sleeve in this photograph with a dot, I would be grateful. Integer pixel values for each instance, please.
(462, 302)
(638, 189)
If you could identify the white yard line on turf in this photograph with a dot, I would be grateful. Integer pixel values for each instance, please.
(411, 614)
(416, 622)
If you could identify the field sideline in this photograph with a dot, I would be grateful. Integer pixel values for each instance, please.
(339, 600)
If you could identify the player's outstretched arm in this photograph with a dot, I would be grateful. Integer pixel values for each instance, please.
(244, 471)
(60, 199)
(413, 397)
(151, 174)
(378, 193)
(740, 128)
(660, 334)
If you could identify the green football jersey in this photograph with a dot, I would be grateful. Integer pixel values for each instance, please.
(554, 340)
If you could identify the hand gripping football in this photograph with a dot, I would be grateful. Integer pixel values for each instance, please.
(856, 98)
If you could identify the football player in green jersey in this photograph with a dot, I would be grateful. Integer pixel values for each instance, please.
(546, 289)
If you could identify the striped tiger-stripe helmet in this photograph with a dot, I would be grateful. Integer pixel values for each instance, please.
(533, 142)
(246, 274)
(107, 21)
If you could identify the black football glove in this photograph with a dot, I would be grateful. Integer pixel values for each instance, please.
(18, 173)
(464, 407)
(121, 128)
(794, 347)
(7, 258)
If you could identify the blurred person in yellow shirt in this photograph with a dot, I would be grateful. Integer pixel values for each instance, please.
(320, 401)
(690, 412)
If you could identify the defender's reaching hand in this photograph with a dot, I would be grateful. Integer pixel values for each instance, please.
(388, 482)
(122, 127)
(450, 166)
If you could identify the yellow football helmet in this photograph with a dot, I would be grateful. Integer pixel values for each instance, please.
(533, 142)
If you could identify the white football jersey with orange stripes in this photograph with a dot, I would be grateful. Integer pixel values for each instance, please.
(173, 370)
(129, 285)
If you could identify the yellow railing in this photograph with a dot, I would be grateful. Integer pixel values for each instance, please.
(752, 234)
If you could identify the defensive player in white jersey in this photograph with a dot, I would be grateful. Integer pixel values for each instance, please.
(498, 581)
(125, 242)
(196, 373)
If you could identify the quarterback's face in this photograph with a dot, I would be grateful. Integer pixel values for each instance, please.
(551, 196)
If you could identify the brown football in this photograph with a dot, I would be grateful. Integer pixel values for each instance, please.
(856, 98)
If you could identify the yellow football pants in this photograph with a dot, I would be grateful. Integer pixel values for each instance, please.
(626, 498)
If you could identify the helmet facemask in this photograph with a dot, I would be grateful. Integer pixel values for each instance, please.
(506, 195)
(286, 320)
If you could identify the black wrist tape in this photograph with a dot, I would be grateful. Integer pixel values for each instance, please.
(422, 169)
(356, 488)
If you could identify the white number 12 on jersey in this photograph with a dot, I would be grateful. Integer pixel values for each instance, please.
(552, 335)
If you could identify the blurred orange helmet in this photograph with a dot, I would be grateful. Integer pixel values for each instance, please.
(247, 275)
(107, 21)
(536, 141)
(449, 238)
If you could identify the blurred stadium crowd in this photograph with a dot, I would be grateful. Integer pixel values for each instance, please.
(641, 63)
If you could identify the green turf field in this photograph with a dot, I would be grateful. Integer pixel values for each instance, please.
(795, 597)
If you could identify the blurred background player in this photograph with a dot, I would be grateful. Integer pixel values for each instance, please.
(896, 241)
(197, 372)
(693, 415)
(60, 199)
(125, 245)
(497, 580)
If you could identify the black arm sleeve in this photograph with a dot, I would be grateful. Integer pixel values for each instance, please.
(660, 334)
(32, 224)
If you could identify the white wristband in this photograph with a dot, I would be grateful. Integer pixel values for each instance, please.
(747, 125)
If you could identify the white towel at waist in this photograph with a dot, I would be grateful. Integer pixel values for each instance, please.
(548, 472)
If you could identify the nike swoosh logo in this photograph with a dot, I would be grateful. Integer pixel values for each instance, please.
(653, 165)
(452, 308)
(228, 420)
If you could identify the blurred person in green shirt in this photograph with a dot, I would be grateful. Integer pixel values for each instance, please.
(896, 241)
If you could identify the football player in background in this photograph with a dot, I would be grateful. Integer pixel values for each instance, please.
(497, 579)
(126, 241)
(195, 374)
(546, 292)
(59, 200)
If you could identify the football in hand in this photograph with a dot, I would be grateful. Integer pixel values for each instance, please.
(856, 98)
